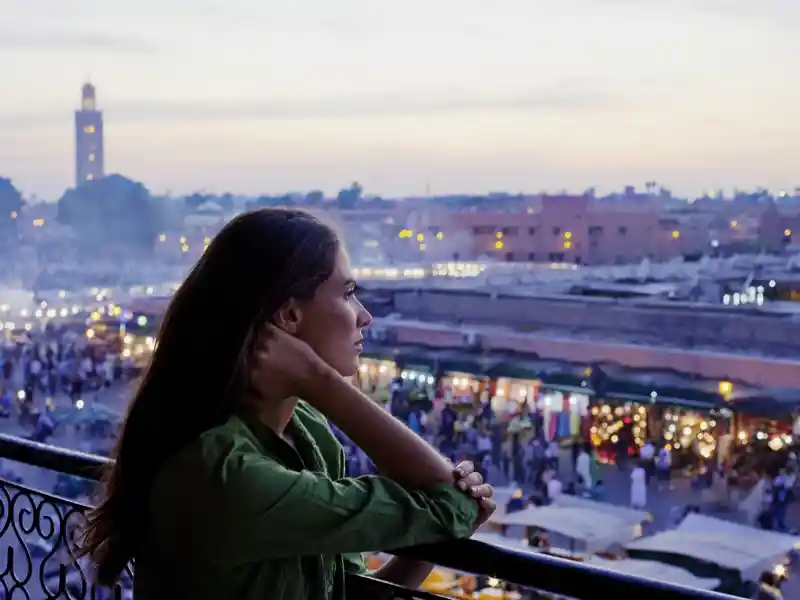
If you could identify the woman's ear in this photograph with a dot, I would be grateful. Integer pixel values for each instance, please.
(288, 317)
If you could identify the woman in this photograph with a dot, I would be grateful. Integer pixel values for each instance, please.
(225, 484)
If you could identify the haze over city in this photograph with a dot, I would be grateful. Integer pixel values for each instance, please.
(449, 96)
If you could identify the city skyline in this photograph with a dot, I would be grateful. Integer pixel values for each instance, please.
(458, 96)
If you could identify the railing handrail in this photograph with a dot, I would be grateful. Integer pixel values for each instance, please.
(54, 458)
(555, 575)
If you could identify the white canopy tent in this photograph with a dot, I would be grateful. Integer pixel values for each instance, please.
(745, 554)
(655, 570)
(596, 531)
(501, 496)
(629, 515)
(769, 540)
(641, 568)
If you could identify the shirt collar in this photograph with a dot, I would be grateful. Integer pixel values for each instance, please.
(306, 448)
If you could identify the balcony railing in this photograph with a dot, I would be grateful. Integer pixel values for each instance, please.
(49, 570)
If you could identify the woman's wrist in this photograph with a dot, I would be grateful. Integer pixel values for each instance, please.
(319, 383)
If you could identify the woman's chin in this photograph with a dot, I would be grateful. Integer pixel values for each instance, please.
(344, 368)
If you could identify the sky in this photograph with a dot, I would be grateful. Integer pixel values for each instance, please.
(446, 96)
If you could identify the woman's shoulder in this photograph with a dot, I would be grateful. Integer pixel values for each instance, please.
(210, 453)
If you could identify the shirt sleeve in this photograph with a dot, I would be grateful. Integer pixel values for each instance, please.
(259, 510)
(354, 563)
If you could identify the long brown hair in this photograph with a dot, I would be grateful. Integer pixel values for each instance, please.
(196, 376)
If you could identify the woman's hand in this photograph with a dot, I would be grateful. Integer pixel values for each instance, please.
(282, 361)
(469, 481)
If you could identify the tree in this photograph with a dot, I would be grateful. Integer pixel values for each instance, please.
(195, 200)
(112, 211)
(349, 197)
(315, 197)
(226, 202)
(10, 206)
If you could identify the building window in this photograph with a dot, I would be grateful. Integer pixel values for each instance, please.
(595, 230)
(622, 230)
(483, 230)
(509, 256)
(556, 257)
(88, 129)
(531, 230)
(532, 256)
(510, 230)
(556, 230)
(91, 158)
(89, 177)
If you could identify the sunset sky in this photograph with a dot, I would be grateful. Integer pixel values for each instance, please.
(261, 96)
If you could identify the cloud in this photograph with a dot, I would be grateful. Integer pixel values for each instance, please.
(69, 41)
(775, 13)
(569, 96)
(566, 96)
(365, 106)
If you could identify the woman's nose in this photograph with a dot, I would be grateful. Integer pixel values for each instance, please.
(364, 318)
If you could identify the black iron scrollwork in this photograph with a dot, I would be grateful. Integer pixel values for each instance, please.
(38, 536)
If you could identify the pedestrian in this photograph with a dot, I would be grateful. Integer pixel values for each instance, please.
(638, 487)
(664, 468)
(583, 468)
(647, 454)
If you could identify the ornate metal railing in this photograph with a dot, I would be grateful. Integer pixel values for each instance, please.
(38, 530)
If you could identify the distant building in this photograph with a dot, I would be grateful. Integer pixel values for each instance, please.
(578, 230)
(89, 152)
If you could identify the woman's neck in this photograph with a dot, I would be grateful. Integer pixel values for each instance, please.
(275, 413)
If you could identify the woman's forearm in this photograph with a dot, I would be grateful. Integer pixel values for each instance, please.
(397, 451)
(404, 571)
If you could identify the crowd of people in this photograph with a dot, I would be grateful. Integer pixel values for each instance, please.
(756, 484)
(41, 368)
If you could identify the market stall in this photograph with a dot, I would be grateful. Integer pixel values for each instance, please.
(564, 414)
(632, 517)
(739, 553)
(462, 389)
(594, 531)
(618, 426)
(775, 544)
(374, 377)
(511, 395)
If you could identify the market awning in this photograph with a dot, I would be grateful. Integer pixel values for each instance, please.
(597, 530)
(768, 403)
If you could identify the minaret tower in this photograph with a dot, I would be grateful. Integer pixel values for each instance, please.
(89, 152)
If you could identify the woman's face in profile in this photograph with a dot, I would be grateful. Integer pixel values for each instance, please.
(332, 322)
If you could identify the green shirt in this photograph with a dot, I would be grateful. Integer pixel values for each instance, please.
(240, 514)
